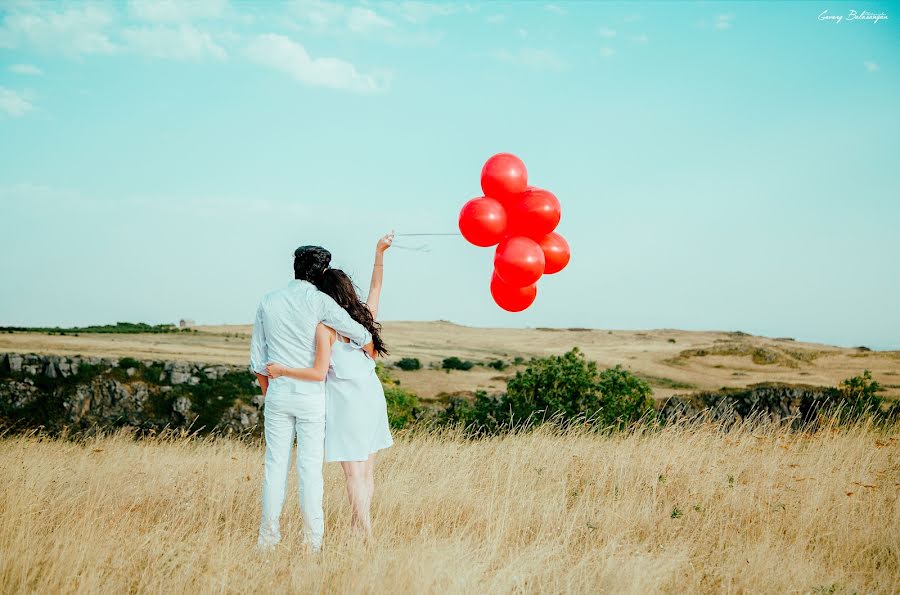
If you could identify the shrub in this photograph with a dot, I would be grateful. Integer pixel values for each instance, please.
(482, 415)
(409, 364)
(625, 397)
(129, 362)
(454, 363)
(559, 389)
(402, 406)
(497, 364)
(858, 397)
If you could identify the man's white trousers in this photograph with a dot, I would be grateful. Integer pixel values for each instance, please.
(286, 415)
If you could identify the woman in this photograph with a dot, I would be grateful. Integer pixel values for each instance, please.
(356, 422)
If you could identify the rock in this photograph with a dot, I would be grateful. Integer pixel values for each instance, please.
(50, 370)
(18, 395)
(65, 369)
(179, 377)
(14, 362)
(101, 400)
(182, 405)
(239, 418)
(767, 401)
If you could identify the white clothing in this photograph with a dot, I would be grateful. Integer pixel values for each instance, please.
(288, 414)
(285, 332)
(356, 412)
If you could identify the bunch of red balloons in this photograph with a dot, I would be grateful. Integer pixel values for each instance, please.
(520, 219)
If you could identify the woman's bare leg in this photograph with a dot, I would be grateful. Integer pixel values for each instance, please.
(370, 478)
(358, 493)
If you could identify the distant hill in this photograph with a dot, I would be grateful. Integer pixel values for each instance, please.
(672, 361)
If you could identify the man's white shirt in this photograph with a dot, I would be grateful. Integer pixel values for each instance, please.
(285, 332)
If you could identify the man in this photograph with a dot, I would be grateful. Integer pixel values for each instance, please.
(284, 332)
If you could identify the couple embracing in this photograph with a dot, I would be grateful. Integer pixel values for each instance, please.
(313, 350)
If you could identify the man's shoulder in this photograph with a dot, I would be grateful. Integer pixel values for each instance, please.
(292, 291)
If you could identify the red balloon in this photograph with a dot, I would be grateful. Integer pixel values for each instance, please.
(503, 176)
(512, 299)
(556, 253)
(534, 213)
(482, 221)
(519, 261)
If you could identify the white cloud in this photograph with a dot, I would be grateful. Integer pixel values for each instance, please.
(723, 21)
(495, 18)
(26, 69)
(607, 33)
(419, 12)
(325, 15)
(871, 66)
(642, 38)
(74, 32)
(173, 11)
(363, 20)
(184, 42)
(632, 18)
(370, 20)
(607, 52)
(282, 54)
(538, 59)
(13, 104)
(554, 8)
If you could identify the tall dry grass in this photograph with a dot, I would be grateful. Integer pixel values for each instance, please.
(685, 509)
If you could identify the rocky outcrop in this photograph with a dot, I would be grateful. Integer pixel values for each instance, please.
(775, 402)
(85, 393)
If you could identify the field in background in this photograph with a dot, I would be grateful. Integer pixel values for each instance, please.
(672, 361)
(686, 509)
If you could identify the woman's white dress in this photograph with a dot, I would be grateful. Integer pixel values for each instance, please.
(356, 421)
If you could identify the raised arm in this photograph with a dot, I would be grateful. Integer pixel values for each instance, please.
(324, 340)
(378, 273)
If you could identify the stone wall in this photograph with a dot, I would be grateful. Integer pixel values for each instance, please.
(775, 402)
(84, 393)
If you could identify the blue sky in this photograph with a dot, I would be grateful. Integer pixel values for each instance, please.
(723, 166)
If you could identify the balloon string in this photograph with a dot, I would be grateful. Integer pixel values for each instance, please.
(410, 235)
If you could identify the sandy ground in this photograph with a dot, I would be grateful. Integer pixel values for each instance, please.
(658, 355)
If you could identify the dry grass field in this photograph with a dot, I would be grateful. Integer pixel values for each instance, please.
(672, 361)
(683, 510)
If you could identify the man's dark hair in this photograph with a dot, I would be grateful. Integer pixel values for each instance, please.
(310, 262)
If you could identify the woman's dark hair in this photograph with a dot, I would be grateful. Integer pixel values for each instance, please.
(310, 262)
(338, 284)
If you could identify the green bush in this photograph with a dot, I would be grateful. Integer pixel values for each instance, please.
(857, 397)
(558, 389)
(402, 406)
(129, 362)
(454, 363)
(409, 364)
(497, 364)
